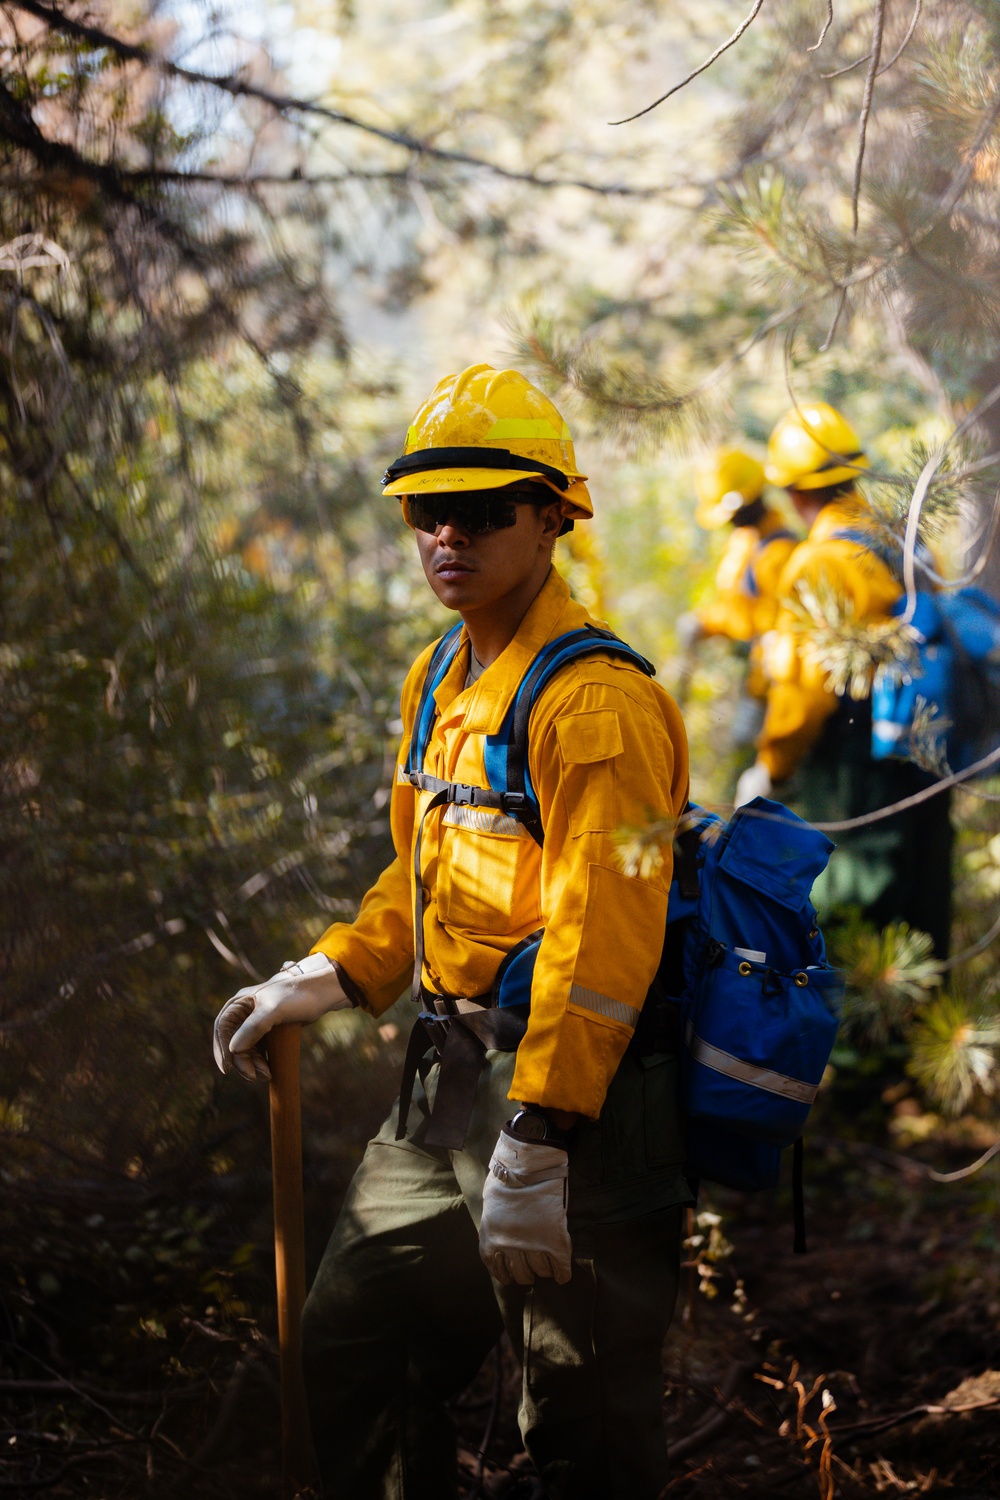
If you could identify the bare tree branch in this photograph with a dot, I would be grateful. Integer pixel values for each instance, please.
(240, 87)
(906, 40)
(826, 27)
(866, 105)
(743, 26)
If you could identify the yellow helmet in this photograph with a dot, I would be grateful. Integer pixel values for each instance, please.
(812, 447)
(725, 483)
(483, 429)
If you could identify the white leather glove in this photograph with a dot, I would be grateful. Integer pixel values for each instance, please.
(689, 630)
(303, 991)
(523, 1234)
(755, 782)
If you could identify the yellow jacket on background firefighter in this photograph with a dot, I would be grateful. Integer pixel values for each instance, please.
(607, 748)
(745, 603)
(798, 702)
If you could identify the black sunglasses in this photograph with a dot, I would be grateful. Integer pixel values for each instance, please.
(474, 511)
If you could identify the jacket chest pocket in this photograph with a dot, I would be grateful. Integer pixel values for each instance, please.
(480, 870)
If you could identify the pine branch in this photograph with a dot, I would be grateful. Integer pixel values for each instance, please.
(239, 87)
(850, 652)
(954, 1052)
(635, 409)
(889, 973)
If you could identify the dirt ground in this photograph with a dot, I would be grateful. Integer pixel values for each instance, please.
(870, 1365)
(138, 1358)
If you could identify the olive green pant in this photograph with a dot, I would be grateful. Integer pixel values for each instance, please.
(402, 1312)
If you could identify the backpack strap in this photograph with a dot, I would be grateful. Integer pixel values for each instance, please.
(506, 753)
(798, 1198)
(442, 656)
(748, 583)
(888, 552)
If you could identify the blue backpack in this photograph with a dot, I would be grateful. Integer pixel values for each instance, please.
(744, 964)
(958, 681)
(955, 689)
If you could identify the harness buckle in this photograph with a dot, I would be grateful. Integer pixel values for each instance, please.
(462, 795)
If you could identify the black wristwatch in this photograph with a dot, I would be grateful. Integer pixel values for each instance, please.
(532, 1123)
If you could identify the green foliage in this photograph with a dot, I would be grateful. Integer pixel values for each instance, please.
(890, 976)
(954, 1051)
(849, 652)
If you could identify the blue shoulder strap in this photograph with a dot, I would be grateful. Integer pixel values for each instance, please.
(441, 659)
(506, 752)
(890, 555)
(749, 580)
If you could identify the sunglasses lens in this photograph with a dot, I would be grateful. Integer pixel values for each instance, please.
(477, 513)
(420, 513)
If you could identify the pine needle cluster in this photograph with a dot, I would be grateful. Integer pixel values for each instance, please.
(955, 1048)
(895, 991)
(641, 851)
(637, 410)
(852, 654)
(955, 487)
(890, 974)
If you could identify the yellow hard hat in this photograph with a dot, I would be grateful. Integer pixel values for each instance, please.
(483, 429)
(812, 447)
(724, 483)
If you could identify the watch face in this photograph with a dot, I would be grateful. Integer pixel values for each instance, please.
(530, 1127)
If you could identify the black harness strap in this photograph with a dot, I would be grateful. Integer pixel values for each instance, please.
(461, 1041)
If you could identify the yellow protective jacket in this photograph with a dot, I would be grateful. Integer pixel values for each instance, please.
(607, 748)
(798, 702)
(745, 602)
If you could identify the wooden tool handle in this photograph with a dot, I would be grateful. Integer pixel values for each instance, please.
(289, 1249)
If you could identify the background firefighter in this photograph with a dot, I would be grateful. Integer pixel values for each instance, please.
(819, 743)
(744, 604)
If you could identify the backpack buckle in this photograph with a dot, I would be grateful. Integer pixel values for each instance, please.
(462, 795)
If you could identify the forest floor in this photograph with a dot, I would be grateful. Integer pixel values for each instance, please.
(869, 1366)
(138, 1358)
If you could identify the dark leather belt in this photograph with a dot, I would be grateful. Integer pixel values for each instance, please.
(458, 1032)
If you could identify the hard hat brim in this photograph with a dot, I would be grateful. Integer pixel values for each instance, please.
(818, 479)
(575, 501)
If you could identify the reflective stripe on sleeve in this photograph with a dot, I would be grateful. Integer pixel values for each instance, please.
(604, 1005)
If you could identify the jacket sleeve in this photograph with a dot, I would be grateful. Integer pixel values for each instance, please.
(798, 700)
(730, 614)
(603, 758)
(375, 951)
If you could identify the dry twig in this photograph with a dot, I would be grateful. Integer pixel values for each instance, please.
(731, 42)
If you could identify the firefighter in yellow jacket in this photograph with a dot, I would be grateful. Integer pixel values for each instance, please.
(815, 747)
(730, 486)
(558, 1149)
